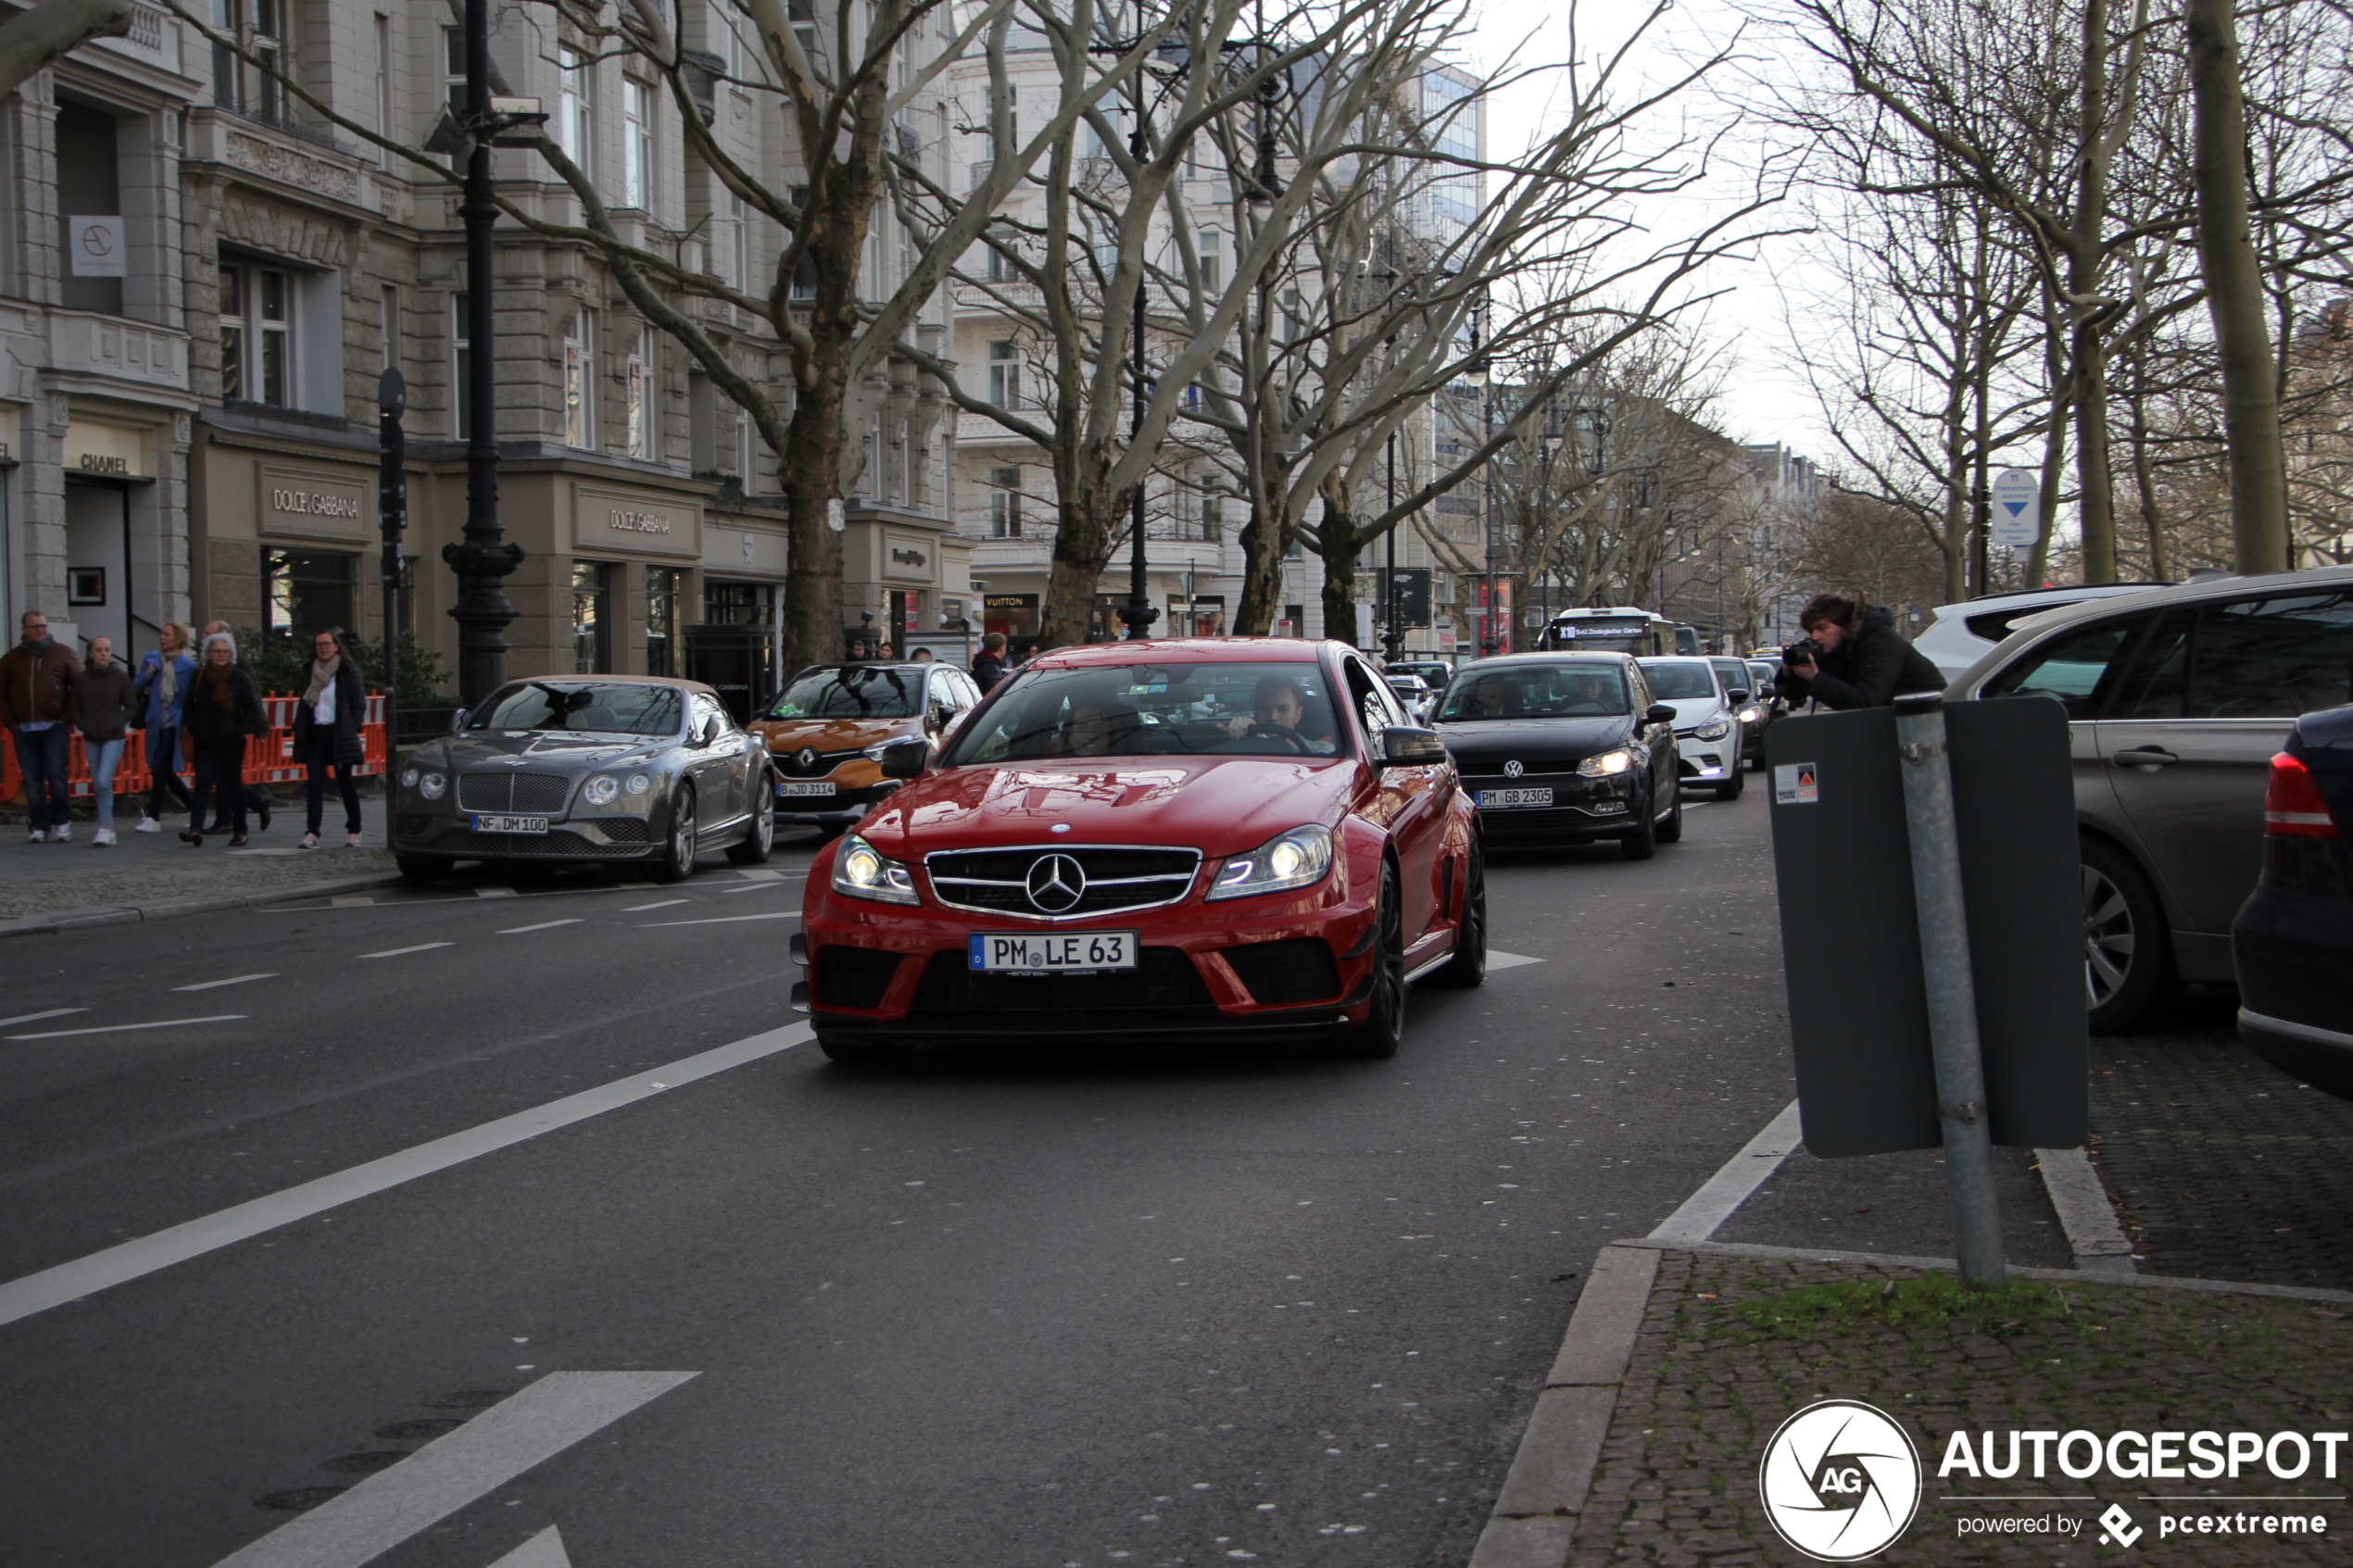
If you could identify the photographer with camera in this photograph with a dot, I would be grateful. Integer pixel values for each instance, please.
(1851, 656)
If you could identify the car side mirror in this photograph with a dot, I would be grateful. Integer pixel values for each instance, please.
(904, 759)
(1738, 694)
(458, 720)
(1658, 713)
(1407, 747)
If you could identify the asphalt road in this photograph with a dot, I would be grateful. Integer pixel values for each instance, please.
(1013, 1307)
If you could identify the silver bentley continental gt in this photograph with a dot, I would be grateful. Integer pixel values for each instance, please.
(568, 769)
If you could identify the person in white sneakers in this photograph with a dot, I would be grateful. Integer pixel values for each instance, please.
(160, 691)
(103, 712)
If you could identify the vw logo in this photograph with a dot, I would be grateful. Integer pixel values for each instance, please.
(1056, 883)
(1513, 770)
(806, 757)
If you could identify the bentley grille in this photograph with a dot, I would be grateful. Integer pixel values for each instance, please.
(537, 795)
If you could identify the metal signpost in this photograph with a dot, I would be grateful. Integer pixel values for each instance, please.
(2017, 507)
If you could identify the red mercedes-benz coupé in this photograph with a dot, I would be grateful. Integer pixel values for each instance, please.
(1236, 837)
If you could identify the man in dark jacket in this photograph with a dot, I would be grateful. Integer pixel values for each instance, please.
(1864, 660)
(36, 699)
(989, 664)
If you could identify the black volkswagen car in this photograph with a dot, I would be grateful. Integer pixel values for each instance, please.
(587, 767)
(2292, 945)
(1565, 749)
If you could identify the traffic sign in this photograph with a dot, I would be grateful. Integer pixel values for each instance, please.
(2017, 507)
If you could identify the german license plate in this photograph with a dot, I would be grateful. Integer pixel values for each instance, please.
(1504, 800)
(486, 823)
(788, 787)
(1052, 952)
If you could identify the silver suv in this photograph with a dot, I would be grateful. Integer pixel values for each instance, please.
(2177, 699)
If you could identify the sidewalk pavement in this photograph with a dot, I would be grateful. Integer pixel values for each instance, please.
(45, 885)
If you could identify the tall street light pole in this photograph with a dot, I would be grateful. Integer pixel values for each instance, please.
(1392, 635)
(1138, 615)
(392, 510)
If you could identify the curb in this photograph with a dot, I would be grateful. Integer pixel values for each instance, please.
(2057, 1276)
(167, 909)
(2093, 1234)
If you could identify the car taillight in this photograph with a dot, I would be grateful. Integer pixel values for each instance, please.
(2292, 804)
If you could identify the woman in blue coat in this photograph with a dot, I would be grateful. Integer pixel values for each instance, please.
(327, 733)
(160, 694)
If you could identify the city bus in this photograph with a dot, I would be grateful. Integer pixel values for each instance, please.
(1617, 629)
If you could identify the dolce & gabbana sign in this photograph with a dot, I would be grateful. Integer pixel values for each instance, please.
(637, 525)
(308, 503)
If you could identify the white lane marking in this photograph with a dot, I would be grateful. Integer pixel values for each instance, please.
(721, 920)
(420, 947)
(35, 1017)
(750, 875)
(1730, 1187)
(134, 1259)
(1496, 961)
(495, 892)
(545, 1549)
(450, 1473)
(543, 926)
(661, 904)
(121, 1028)
(233, 980)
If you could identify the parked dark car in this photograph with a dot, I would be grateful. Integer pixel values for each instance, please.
(2293, 943)
(1565, 749)
(1765, 700)
(587, 767)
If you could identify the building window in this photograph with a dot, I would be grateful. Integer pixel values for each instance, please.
(735, 242)
(460, 371)
(305, 592)
(591, 625)
(453, 70)
(1005, 503)
(747, 455)
(636, 145)
(730, 40)
(661, 620)
(638, 395)
(579, 425)
(259, 25)
(572, 133)
(389, 324)
(89, 186)
(1212, 259)
(1213, 526)
(803, 15)
(256, 334)
(384, 86)
(1004, 374)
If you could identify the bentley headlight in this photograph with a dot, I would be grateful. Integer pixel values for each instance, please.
(1601, 765)
(1715, 729)
(601, 790)
(863, 871)
(409, 778)
(433, 786)
(639, 784)
(1296, 858)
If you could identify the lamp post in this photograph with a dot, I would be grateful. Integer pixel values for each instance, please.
(392, 511)
(1392, 635)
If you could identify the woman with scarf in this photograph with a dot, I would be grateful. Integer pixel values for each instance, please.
(162, 691)
(223, 710)
(326, 729)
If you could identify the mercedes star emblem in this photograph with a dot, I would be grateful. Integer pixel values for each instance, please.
(1056, 883)
(1513, 770)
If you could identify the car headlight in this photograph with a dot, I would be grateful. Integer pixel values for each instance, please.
(601, 790)
(873, 753)
(1715, 729)
(432, 786)
(409, 778)
(1601, 764)
(863, 871)
(1750, 715)
(639, 784)
(1296, 858)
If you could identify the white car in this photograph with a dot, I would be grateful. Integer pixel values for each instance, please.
(1708, 723)
(1414, 693)
(1958, 635)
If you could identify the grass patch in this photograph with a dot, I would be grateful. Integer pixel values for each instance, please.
(1924, 1301)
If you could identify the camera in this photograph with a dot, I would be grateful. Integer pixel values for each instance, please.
(1805, 650)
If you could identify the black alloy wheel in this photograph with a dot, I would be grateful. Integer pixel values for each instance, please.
(1671, 829)
(1384, 1025)
(2128, 951)
(761, 836)
(1468, 968)
(677, 862)
(1641, 841)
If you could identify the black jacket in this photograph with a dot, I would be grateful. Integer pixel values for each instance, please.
(351, 711)
(987, 670)
(1873, 663)
(204, 721)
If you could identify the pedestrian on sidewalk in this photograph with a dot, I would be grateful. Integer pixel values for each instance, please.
(258, 801)
(223, 712)
(103, 712)
(162, 691)
(36, 691)
(326, 729)
(989, 664)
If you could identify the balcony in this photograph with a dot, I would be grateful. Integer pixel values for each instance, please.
(83, 343)
(299, 156)
(979, 430)
(154, 39)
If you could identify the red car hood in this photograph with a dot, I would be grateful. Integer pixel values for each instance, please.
(1220, 804)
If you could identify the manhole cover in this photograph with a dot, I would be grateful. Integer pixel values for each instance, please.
(468, 1400)
(299, 1498)
(416, 1431)
(364, 1464)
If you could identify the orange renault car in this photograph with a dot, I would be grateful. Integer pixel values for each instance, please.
(829, 726)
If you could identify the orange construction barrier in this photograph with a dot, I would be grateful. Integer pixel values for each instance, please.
(269, 758)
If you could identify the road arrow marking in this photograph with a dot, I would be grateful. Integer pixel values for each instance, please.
(545, 1549)
(1497, 961)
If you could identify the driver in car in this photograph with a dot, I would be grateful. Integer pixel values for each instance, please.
(1281, 702)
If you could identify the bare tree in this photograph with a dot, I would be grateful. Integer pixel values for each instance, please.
(49, 30)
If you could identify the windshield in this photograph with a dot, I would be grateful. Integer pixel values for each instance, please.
(1538, 690)
(583, 707)
(849, 691)
(1733, 671)
(1154, 710)
(1679, 680)
(1760, 675)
